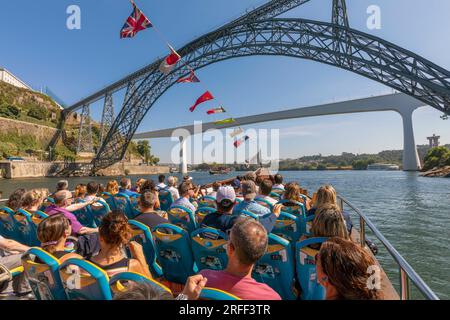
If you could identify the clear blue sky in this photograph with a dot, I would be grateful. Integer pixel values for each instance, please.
(39, 48)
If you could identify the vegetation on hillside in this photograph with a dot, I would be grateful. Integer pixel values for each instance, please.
(144, 149)
(437, 157)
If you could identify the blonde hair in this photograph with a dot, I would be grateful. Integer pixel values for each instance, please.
(326, 196)
(80, 191)
(293, 192)
(329, 222)
(112, 187)
(34, 197)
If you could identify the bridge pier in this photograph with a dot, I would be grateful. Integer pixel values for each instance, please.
(183, 155)
(411, 161)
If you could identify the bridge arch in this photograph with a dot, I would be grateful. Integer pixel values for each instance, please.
(353, 50)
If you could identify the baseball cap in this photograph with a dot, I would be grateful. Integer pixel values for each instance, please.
(225, 193)
(248, 189)
(236, 183)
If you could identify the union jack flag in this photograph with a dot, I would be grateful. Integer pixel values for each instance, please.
(136, 22)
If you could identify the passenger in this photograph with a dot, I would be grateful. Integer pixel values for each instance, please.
(266, 216)
(265, 188)
(186, 190)
(247, 244)
(293, 193)
(10, 256)
(343, 269)
(251, 176)
(80, 192)
(172, 187)
(32, 200)
(92, 190)
(125, 187)
(326, 196)
(148, 215)
(101, 188)
(236, 184)
(329, 222)
(115, 234)
(15, 199)
(63, 200)
(149, 185)
(222, 219)
(53, 232)
(112, 187)
(216, 185)
(138, 187)
(62, 185)
(278, 179)
(161, 184)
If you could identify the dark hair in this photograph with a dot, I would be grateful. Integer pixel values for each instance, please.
(124, 182)
(249, 239)
(52, 230)
(114, 228)
(92, 187)
(15, 199)
(225, 205)
(346, 265)
(142, 291)
(185, 187)
(148, 185)
(161, 178)
(147, 200)
(62, 185)
(278, 178)
(216, 185)
(265, 187)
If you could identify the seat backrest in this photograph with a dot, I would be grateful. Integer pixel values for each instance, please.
(123, 203)
(143, 235)
(207, 201)
(83, 280)
(84, 216)
(43, 277)
(109, 198)
(174, 252)
(287, 226)
(165, 199)
(183, 217)
(216, 294)
(306, 269)
(246, 213)
(276, 268)
(98, 212)
(209, 248)
(47, 202)
(121, 281)
(7, 225)
(298, 209)
(264, 203)
(26, 227)
(202, 212)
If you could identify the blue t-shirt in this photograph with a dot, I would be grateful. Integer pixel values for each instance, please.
(128, 192)
(251, 206)
(221, 221)
(182, 201)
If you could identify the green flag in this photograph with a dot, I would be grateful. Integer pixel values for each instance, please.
(225, 121)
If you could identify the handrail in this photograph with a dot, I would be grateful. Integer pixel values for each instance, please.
(406, 271)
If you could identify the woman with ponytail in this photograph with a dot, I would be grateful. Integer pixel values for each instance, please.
(114, 236)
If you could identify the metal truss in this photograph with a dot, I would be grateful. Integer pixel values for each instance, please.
(85, 133)
(107, 116)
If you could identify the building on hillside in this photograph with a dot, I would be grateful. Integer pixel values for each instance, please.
(8, 77)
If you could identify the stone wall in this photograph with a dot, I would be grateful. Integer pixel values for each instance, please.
(42, 133)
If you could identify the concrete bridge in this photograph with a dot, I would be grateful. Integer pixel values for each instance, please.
(398, 102)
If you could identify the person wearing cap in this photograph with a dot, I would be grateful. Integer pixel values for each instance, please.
(222, 219)
(266, 217)
(186, 190)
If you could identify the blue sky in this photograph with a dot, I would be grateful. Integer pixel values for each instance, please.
(76, 63)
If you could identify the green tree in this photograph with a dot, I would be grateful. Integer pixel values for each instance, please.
(38, 112)
(437, 157)
(144, 149)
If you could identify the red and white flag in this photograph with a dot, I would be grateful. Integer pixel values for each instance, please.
(236, 132)
(240, 141)
(216, 110)
(203, 98)
(169, 62)
(191, 78)
(136, 22)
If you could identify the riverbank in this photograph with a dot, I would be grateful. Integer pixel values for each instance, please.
(18, 170)
(443, 172)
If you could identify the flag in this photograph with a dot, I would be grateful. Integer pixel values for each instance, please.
(203, 98)
(136, 22)
(226, 121)
(216, 110)
(236, 132)
(191, 78)
(240, 141)
(169, 62)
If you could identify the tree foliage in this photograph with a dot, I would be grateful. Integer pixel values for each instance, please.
(437, 157)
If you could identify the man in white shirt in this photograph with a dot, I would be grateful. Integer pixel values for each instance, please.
(161, 184)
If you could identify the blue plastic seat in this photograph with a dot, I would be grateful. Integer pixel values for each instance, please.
(209, 248)
(306, 269)
(98, 212)
(298, 209)
(174, 252)
(109, 198)
(7, 224)
(207, 201)
(202, 212)
(84, 216)
(264, 203)
(26, 225)
(246, 213)
(123, 203)
(287, 226)
(183, 217)
(83, 280)
(216, 294)
(47, 202)
(143, 235)
(121, 281)
(165, 199)
(277, 268)
(43, 277)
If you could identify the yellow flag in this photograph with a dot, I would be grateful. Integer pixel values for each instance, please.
(230, 120)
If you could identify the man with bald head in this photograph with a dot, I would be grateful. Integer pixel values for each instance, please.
(63, 201)
(247, 244)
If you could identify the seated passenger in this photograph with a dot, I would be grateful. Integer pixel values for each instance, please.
(32, 200)
(293, 192)
(15, 199)
(222, 219)
(80, 192)
(278, 179)
(326, 196)
(125, 188)
(172, 187)
(161, 184)
(236, 184)
(63, 201)
(247, 244)
(329, 222)
(53, 232)
(343, 269)
(149, 185)
(62, 185)
(265, 188)
(187, 191)
(112, 187)
(148, 215)
(114, 235)
(216, 185)
(138, 186)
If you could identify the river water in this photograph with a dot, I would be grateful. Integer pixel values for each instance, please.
(412, 212)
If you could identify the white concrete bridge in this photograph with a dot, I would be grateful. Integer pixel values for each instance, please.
(399, 102)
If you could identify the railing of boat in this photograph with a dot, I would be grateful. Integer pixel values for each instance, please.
(407, 274)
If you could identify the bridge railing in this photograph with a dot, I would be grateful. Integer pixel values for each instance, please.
(407, 273)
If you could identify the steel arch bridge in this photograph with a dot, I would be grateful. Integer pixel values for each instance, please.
(260, 33)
